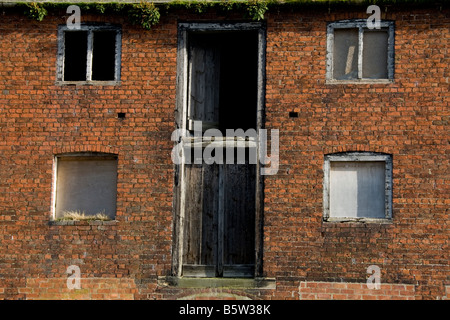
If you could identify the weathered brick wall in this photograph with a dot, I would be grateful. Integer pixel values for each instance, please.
(408, 119)
(312, 290)
(90, 289)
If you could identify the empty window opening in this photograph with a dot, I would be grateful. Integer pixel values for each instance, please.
(75, 56)
(223, 79)
(91, 54)
(86, 184)
(103, 55)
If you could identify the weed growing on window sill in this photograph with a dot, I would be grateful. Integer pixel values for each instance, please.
(81, 216)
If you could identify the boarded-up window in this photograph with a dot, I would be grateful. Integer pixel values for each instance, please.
(357, 189)
(89, 54)
(86, 184)
(358, 185)
(357, 53)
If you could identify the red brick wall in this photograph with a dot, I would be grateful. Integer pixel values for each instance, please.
(408, 119)
(90, 289)
(312, 290)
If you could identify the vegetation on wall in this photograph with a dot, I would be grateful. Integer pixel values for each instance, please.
(147, 13)
(36, 11)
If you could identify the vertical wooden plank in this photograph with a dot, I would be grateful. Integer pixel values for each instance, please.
(259, 181)
(212, 80)
(204, 77)
(180, 123)
(220, 220)
(239, 214)
(210, 190)
(196, 81)
(193, 214)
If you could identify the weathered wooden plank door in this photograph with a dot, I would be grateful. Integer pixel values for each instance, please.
(201, 220)
(239, 220)
(219, 202)
(219, 220)
(204, 81)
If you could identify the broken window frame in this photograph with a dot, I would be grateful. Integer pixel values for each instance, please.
(186, 139)
(358, 157)
(361, 25)
(90, 29)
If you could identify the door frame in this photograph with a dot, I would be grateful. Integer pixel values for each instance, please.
(184, 28)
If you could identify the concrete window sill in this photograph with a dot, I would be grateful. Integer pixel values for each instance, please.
(88, 83)
(357, 220)
(234, 283)
(82, 223)
(360, 81)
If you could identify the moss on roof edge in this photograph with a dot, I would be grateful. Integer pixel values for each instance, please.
(272, 2)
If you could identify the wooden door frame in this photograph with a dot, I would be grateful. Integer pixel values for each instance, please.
(181, 123)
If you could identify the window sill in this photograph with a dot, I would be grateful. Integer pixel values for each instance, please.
(234, 283)
(82, 222)
(87, 83)
(358, 220)
(361, 81)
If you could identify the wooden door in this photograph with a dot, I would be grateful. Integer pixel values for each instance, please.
(219, 238)
(219, 200)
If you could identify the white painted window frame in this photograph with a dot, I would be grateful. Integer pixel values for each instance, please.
(90, 28)
(355, 157)
(361, 25)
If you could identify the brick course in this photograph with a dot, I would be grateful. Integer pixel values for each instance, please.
(408, 118)
(311, 290)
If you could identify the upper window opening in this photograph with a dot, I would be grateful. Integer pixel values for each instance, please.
(223, 79)
(90, 55)
(357, 53)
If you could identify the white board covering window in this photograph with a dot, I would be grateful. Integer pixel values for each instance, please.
(86, 184)
(357, 186)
